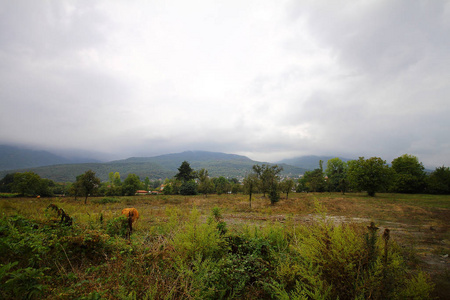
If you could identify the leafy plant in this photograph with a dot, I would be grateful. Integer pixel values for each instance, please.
(22, 283)
(196, 238)
(117, 226)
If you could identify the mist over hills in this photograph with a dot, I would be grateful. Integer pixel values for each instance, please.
(12, 158)
(157, 167)
(309, 162)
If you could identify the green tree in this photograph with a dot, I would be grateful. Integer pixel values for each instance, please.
(409, 175)
(31, 184)
(26, 184)
(131, 184)
(111, 178)
(336, 172)
(172, 186)
(371, 175)
(114, 186)
(274, 194)
(185, 172)
(6, 183)
(286, 186)
(86, 184)
(147, 183)
(222, 185)
(250, 185)
(167, 187)
(188, 188)
(439, 181)
(205, 186)
(313, 181)
(117, 181)
(268, 176)
(235, 188)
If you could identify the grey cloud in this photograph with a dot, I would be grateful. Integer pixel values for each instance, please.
(50, 29)
(340, 78)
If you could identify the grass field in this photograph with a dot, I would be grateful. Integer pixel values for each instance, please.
(419, 225)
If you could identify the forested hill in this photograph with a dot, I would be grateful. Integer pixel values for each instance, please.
(18, 158)
(157, 167)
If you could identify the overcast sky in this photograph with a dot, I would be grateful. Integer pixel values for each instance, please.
(268, 79)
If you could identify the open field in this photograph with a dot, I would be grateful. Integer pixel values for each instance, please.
(419, 224)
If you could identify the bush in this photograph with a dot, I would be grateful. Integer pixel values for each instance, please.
(117, 226)
(21, 283)
(195, 238)
(331, 262)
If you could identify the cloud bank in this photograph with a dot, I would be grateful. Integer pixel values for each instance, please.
(266, 79)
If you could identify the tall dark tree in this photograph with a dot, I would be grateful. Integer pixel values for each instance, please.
(336, 172)
(86, 184)
(31, 184)
(185, 172)
(371, 175)
(409, 175)
(6, 183)
(188, 188)
(439, 181)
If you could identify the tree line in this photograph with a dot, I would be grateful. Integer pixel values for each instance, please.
(405, 175)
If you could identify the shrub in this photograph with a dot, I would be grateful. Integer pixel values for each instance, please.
(195, 238)
(21, 283)
(117, 226)
(330, 262)
(216, 217)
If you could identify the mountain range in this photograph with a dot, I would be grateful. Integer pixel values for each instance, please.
(60, 169)
(309, 162)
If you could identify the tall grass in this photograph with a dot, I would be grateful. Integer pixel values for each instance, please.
(190, 248)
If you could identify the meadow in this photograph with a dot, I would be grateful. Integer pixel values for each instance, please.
(309, 246)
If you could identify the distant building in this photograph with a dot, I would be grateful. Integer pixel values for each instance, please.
(141, 192)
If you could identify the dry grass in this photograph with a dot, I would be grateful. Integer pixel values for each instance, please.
(419, 223)
(418, 220)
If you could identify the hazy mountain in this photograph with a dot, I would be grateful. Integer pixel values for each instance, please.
(159, 167)
(18, 158)
(309, 162)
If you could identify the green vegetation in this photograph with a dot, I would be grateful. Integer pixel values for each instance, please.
(218, 248)
(86, 185)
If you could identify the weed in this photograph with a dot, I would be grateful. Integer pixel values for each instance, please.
(117, 226)
(180, 252)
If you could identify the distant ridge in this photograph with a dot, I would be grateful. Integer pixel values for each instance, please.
(158, 167)
(310, 162)
(18, 158)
